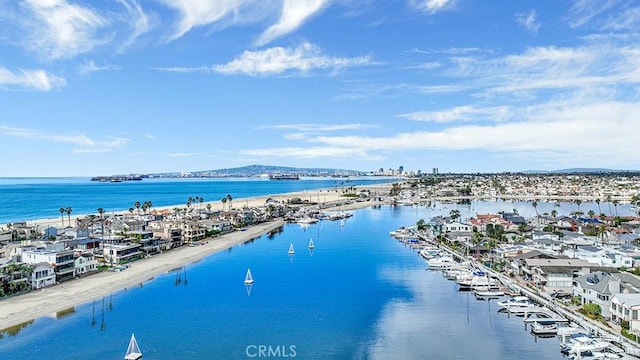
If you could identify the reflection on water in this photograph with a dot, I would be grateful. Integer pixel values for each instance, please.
(359, 295)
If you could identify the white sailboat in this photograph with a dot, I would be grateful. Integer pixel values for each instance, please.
(248, 280)
(311, 245)
(133, 351)
(291, 250)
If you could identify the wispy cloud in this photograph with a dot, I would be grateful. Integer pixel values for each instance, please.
(139, 21)
(179, 155)
(86, 143)
(90, 67)
(39, 80)
(432, 6)
(194, 13)
(461, 113)
(585, 11)
(301, 60)
(529, 21)
(60, 29)
(294, 14)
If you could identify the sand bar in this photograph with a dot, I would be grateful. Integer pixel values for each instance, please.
(39, 303)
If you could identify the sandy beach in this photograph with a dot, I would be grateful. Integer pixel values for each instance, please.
(39, 303)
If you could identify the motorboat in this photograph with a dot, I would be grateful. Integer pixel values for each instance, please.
(582, 344)
(516, 302)
(430, 252)
(440, 262)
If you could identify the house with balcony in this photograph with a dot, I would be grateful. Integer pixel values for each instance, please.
(600, 286)
(43, 275)
(626, 307)
(62, 261)
(84, 263)
(554, 274)
(114, 254)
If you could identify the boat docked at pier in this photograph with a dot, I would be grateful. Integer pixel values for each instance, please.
(441, 262)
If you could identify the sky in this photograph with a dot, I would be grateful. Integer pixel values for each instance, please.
(140, 86)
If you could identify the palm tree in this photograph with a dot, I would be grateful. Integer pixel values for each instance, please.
(535, 207)
(455, 214)
(609, 203)
(554, 213)
(101, 211)
(224, 201)
(62, 211)
(598, 202)
(68, 210)
(200, 200)
(131, 210)
(137, 205)
(230, 199)
(578, 202)
(615, 205)
(591, 214)
(208, 207)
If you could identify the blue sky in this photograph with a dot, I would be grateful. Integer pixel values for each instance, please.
(136, 86)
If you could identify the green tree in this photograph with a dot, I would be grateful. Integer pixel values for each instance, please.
(598, 202)
(68, 210)
(420, 224)
(230, 199)
(224, 202)
(615, 205)
(554, 213)
(535, 207)
(62, 212)
(454, 214)
(137, 206)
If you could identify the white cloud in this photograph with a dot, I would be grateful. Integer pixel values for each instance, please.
(294, 14)
(529, 21)
(90, 67)
(585, 11)
(30, 79)
(138, 20)
(61, 30)
(432, 6)
(87, 144)
(461, 113)
(278, 60)
(194, 13)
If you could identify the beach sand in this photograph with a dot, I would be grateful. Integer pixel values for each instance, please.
(39, 303)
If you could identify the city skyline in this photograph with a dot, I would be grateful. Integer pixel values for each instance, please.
(127, 86)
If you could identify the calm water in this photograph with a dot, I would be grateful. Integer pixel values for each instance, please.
(359, 295)
(26, 199)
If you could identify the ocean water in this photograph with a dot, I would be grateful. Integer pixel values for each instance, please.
(359, 295)
(27, 199)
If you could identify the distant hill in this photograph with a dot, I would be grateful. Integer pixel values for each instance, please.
(257, 170)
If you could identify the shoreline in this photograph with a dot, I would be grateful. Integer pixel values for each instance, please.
(36, 304)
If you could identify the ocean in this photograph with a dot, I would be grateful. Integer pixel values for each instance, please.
(28, 199)
(359, 294)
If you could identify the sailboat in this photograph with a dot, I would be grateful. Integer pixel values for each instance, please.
(311, 245)
(248, 280)
(133, 351)
(291, 250)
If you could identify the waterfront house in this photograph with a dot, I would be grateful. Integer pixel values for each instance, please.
(456, 226)
(605, 257)
(168, 231)
(84, 263)
(62, 261)
(554, 274)
(192, 231)
(626, 307)
(43, 275)
(114, 254)
(600, 286)
(517, 262)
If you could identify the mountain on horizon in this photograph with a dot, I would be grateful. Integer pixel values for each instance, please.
(257, 170)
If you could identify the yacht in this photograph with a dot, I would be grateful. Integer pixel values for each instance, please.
(441, 262)
(516, 302)
(429, 252)
(582, 344)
